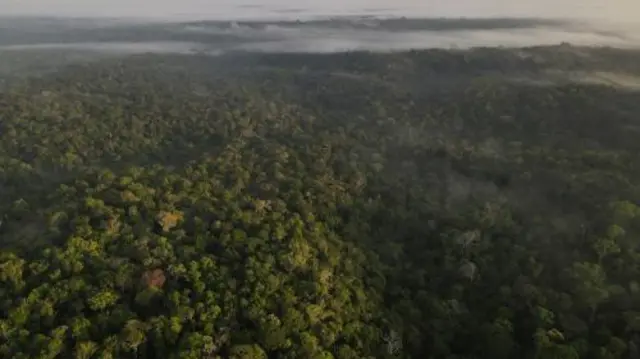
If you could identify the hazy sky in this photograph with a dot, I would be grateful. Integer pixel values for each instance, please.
(615, 10)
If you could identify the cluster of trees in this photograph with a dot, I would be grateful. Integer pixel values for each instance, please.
(282, 206)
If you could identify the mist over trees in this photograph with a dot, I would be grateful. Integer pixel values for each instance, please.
(419, 204)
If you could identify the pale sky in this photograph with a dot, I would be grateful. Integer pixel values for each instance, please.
(614, 10)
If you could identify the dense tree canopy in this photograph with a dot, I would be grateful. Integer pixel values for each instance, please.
(426, 204)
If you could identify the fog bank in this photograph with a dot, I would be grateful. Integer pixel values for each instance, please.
(336, 35)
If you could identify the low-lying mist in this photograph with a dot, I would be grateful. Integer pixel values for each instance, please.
(37, 45)
(329, 35)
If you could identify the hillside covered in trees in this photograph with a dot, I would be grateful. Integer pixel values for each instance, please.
(423, 204)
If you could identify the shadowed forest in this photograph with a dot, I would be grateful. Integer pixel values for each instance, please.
(453, 204)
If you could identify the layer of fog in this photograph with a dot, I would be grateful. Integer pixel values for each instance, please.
(617, 80)
(160, 47)
(282, 39)
(370, 34)
(322, 39)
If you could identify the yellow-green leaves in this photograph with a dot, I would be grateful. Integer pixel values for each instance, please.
(103, 299)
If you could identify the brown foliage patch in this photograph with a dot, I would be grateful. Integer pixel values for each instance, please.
(154, 278)
(168, 220)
